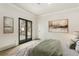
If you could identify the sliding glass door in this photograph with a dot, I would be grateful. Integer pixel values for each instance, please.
(25, 30)
(29, 30)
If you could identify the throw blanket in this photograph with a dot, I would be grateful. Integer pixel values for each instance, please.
(47, 48)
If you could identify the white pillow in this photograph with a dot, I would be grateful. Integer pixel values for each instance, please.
(77, 43)
(77, 47)
(74, 40)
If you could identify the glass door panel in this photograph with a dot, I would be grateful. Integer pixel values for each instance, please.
(22, 30)
(29, 29)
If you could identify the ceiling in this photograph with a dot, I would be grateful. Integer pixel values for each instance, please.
(44, 8)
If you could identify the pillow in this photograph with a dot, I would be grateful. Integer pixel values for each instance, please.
(73, 43)
(77, 43)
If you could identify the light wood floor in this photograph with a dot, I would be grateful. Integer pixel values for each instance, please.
(7, 52)
(13, 50)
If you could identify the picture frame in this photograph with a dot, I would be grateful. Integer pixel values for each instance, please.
(58, 25)
(8, 24)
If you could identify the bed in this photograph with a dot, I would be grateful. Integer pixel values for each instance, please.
(46, 48)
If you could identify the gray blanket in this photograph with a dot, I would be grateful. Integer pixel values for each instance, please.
(47, 48)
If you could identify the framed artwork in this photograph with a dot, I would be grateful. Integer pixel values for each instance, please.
(8, 24)
(58, 25)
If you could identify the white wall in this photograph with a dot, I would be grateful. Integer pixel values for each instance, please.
(71, 14)
(40, 24)
(7, 40)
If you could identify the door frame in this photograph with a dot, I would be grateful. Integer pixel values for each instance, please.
(26, 30)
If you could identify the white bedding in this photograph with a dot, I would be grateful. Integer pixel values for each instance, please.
(25, 50)
(66, 50)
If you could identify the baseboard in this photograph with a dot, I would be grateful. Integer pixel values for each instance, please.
(7, 46)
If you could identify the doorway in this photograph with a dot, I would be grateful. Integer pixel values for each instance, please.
(25, 30)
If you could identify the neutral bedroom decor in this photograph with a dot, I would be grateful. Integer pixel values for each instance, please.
(8, 24)
(58, 25)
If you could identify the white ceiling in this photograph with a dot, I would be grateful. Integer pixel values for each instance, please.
(43, 8)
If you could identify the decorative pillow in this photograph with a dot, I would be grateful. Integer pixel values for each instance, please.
(77, 46)
(73, 44)
(77, 43)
